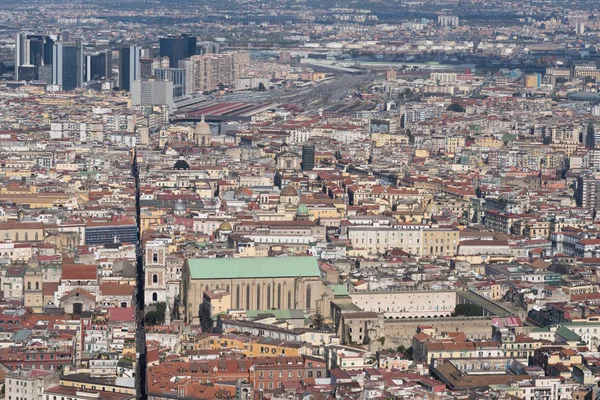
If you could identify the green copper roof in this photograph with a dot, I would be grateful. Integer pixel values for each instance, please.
(278, 314)
(339, 290)
(254, 267)
(567, 334)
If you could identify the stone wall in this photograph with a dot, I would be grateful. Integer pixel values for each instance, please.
(401, 331)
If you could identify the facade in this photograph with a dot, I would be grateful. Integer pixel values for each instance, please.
(587, 189)
(152, 93)
(29, 384)
(204, 73)
(418, 240)
(308, 157)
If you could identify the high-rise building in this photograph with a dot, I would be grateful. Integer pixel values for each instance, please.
(129, 66)
(587, 192)
(175, 75)
(98, 66)
(32, 51)
(448, 20)
(206, 72)
(177, 48)
(152, 93)
(308, 157)
(67, 65)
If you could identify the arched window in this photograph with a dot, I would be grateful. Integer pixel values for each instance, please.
(268, 297)
(28, 285)
(154, 296)
(37, 236)
(247, 296)
(16, 236)
(290, 299)
(37, 286)
(237, 296)
(279, 296)
(227, 289)
(258, 297)
(307, 296)
(155, 278)
(26, 236)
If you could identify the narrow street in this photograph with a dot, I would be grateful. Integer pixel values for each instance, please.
(140, 331)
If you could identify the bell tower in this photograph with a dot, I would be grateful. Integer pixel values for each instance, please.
(155, 268)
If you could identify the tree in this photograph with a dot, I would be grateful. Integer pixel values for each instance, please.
(318, 320)
(456, 108)
(150, 318)
(156, 317)
(261, 87)
(467, 310)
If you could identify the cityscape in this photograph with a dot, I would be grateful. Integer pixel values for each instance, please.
(293, 200)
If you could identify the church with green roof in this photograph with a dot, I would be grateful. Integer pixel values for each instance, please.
(257, 283)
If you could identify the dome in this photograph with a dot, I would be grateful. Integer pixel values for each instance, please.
(288, 191)
(179, 206)
(431, 208)
(225, 226)
(302, 210)
(181, 164)
(202, 128)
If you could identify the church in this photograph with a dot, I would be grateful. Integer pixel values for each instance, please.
(259, 283)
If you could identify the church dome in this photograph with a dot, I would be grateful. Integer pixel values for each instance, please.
(302, 210)
(225, 226)
(179, 206)
(181, 164)
(431, 208)
(202, 128)
(288, 191)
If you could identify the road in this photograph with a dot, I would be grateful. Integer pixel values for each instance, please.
(140, 329)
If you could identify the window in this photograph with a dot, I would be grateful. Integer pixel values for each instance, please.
(279, 296)
(308, 290)
(247, 296)
(237, 296)
(155, 257)
(258, 297)
(268, 297)
(154, 296)
(155, 278)
(289, 299)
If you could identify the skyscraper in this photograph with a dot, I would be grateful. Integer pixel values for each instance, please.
(308, 157)
(32, 51)
(98, 66)
(177, 48)
(67, 65)
(129, 66)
